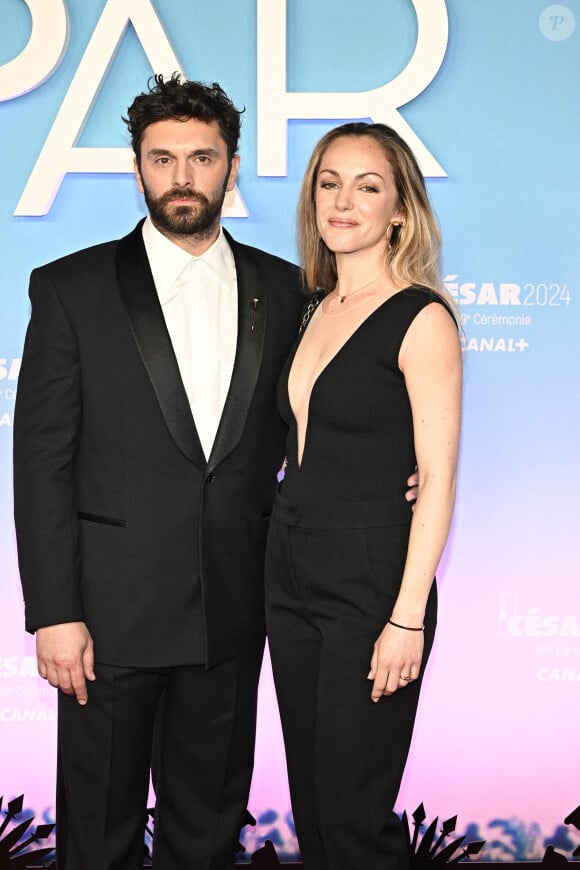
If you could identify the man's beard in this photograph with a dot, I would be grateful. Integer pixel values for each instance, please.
(185, 220)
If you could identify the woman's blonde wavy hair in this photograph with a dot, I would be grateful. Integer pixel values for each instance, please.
(413, 249)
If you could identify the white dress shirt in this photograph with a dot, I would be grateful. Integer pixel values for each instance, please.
(198, 296)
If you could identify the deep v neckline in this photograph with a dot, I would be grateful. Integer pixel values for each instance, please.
(324, 369)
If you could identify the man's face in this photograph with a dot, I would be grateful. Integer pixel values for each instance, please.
(184, 176)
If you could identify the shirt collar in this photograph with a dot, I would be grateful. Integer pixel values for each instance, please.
(168, 260)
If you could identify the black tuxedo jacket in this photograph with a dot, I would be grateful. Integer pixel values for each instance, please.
(120, 520)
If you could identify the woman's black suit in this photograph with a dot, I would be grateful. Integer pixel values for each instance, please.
(334, 562)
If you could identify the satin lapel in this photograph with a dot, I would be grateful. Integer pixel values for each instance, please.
(252, 313)
(152, 338)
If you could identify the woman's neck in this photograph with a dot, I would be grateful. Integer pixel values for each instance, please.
(357, 268)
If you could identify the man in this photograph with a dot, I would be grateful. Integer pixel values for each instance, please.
(146, 446)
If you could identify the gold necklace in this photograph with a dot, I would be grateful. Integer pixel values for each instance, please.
(343, 296)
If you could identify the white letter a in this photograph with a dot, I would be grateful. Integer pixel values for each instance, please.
(60, 153)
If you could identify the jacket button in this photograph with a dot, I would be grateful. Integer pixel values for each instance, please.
(210, 478)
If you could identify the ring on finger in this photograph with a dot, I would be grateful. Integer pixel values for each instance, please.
(406, 677)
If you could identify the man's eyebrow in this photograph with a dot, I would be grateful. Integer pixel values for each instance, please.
(166, 152)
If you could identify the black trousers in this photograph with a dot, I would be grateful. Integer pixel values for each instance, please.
(205, 731)
(329, 592)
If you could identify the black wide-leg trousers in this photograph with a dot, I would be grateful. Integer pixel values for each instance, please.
(204, 725)
(329, 593)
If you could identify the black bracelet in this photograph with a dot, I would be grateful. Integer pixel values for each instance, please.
(406, 627)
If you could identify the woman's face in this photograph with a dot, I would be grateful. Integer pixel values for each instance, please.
(355, 196)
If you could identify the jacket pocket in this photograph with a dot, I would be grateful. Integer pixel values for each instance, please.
(107, 521)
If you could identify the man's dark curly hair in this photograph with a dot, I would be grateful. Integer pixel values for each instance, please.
(179, 99)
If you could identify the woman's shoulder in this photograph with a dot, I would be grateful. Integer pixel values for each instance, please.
(415, 297)
(422, 295)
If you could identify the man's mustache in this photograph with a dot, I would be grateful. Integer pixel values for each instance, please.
(182, 193)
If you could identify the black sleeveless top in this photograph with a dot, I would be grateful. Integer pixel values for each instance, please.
(359, 439)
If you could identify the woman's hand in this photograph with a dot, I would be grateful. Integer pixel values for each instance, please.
(396, 660)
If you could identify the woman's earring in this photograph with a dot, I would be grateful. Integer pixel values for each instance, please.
(391, 228)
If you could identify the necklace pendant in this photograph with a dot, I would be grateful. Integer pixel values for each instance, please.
(342, 298)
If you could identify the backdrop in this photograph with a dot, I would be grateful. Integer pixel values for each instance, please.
(487, 94)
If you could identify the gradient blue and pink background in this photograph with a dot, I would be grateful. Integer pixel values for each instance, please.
(497, 735)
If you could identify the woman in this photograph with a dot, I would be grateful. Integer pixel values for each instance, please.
(372, 388)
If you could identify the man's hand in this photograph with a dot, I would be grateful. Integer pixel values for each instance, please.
(64, 654)
(413, 484)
